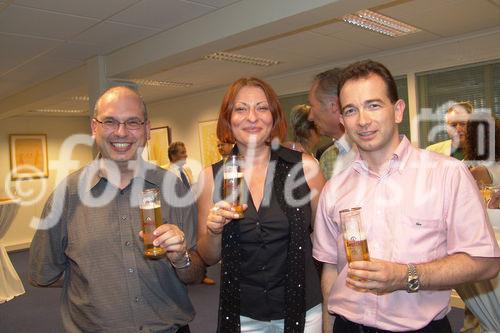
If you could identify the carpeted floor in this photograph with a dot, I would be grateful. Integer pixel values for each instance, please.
(38, 309)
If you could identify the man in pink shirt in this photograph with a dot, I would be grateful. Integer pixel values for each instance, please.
(425, 222)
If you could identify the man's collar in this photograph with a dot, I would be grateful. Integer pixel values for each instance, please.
(402, 152)
(343, 144)
(398, 160)
(96, 172)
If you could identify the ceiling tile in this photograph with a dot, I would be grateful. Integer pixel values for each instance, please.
(288, 60)
(110, 36)
(27, 21)
(88, 8)
(162, 14)
(74, 51)
(9, 87)
(307, 44)
(447, 18)
(14, 49)
(204, 71)
(40, 69)
(347, 32)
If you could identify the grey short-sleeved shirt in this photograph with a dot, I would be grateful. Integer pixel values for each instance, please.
(109, 286)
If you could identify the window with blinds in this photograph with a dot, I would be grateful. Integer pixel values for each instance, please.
(437, 90)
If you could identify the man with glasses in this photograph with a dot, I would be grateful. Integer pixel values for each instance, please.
(92, 244)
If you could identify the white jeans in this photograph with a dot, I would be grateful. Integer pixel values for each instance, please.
(313, 323)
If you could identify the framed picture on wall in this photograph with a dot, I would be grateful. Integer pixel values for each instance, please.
(157, 146)
(207, 131)
(28, 156)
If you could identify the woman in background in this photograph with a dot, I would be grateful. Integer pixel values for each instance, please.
(268, 279)
(305, 133)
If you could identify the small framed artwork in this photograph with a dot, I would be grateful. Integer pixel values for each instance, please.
(28, 156)
(208, 142)
(157, 146)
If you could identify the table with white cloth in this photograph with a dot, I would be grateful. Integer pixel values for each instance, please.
(483, 298)
(10, 283)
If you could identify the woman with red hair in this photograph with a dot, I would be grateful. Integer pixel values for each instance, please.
(268, 278)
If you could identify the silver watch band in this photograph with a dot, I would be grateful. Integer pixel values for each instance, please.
(185, 264)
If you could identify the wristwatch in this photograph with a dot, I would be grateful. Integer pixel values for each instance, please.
(413, 282)
(185, 264)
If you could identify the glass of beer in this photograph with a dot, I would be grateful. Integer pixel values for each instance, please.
(150, 206)
(356, 246)
(233, 176)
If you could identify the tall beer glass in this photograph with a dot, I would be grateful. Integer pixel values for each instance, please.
(150, 206)
(233, 176)
(356, 246)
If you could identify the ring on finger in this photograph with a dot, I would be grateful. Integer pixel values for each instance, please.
(214, 209)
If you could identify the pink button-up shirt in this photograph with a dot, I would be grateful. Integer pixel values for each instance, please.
(421, 208)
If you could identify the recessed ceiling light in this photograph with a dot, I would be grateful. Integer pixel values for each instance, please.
(242, 59)
(379, 23)
(58, 111)
(80, 98)
(161, 83)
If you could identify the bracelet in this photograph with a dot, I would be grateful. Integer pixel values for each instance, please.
(185, 264)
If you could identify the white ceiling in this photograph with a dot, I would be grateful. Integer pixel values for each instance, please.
(45, 45)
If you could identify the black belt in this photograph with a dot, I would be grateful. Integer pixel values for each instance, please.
(435, 326)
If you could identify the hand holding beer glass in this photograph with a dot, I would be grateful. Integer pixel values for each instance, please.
(356, 245)
(150, 206)
(233, 176)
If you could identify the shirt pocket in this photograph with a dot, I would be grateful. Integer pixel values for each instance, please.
(418, 239)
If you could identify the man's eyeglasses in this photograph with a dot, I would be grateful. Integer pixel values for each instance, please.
(113, 124)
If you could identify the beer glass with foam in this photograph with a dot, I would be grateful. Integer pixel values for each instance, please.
(356, 246)
(150, 207)
(233, 176)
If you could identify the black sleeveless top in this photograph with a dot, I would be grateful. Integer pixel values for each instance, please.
(263, 241)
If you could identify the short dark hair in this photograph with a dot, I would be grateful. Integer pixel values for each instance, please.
(326, 84)
(174, 148)
(365, 68)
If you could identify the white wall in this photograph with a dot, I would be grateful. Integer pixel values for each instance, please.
(183, 114)
(57, 129)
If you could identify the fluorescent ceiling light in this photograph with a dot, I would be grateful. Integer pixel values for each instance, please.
(158, 83)
(81, 98)
(379, 23)
(59, 111)
(242, 59)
